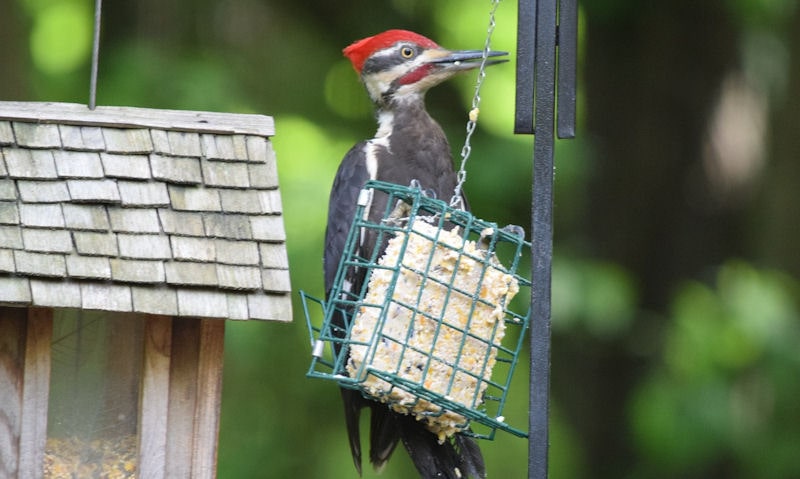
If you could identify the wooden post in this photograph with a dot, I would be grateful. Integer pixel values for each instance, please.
(193, 398)
(12, 353)
(209, 397)
(35, 396)
(25, 336)
(154, 397)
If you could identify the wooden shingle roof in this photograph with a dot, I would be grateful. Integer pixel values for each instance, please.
(130, 209)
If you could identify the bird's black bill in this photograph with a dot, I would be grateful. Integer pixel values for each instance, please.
(471, 58)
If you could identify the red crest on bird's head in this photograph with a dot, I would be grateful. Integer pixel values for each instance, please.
(359, 51)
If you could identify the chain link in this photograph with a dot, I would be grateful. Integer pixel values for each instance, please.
(457, 201)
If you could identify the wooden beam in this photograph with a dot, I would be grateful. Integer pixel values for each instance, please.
(12, 354)
(155, 397)
(209, 397)
(36, 393)
(182, 382)
(130, 117)
(182, 396)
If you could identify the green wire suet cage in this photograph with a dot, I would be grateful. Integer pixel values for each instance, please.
(425, 319)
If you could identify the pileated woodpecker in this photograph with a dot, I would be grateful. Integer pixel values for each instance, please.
(398, 67)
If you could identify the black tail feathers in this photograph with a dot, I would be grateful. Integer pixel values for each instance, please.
(456, 458)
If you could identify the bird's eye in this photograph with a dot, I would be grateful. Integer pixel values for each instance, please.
(407, 52)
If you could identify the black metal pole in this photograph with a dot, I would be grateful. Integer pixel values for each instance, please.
(538, 50)
(526, 41)
(567, 40)
(98, 7)
(542, 236)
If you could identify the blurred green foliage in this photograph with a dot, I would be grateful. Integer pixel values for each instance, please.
(726, 386)
(675, 345)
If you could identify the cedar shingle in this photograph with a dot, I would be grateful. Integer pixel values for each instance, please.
(143, 193)
(185, 143)
(160, 141)
(36, 135)
(270, 306)
(237, 307)
(47, 240)
(263, 175)
(193, 274)
(145, 246)
(11, 237)
(180, 222)
(225, 174)
(238, 277)
(6, 261)
(95, 244)
(82, 138)
(126, 166)
(268, 228)
(14, 289)
(40, 264)
(240, 201)
(273, 256)
(224, 147)
(134, 220)
(6, 133)
(189, 248)
(94, 191)
(78, 164)
(8, 189)
(220, 225)
(137, 271)
(270, 201)
(194, 199)
(56, 294)
(176, 169)
(43, 191)
(276, 280)
(127, 140)
(259, 150)
(236, 252)
(202, 303)
(88, 267)
(155, 300)
(85, 217)
(9, 214)
(177, 143)
(25, 163)
(44, 215)
(106, 297)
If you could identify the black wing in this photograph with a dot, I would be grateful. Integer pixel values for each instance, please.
(349, 180)
(347, 184)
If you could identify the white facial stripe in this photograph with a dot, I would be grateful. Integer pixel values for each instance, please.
(379, 83)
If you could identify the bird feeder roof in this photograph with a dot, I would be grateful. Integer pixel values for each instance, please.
(139, 210)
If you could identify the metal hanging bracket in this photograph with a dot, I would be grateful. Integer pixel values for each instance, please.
(547, 33)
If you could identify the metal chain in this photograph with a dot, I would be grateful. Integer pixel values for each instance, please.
(457, 201)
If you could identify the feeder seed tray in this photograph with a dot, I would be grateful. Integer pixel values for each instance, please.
(66, 458)
(425, 334)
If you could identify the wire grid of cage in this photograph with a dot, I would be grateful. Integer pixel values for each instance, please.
(424, 320)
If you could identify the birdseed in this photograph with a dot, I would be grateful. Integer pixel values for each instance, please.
(73, 457)
(442, 325)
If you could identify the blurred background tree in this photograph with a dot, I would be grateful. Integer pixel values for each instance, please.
(675, 285)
